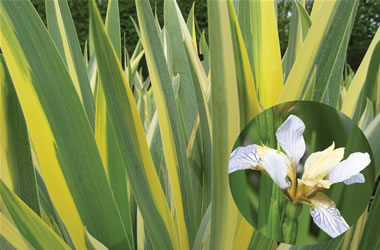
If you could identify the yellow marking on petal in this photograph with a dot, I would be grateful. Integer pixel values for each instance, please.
(321, 200)
(319, 164)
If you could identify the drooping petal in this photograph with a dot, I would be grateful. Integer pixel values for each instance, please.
(319, 164)
(244, 158)
(290, 137)
(350, 167)
(358, 178)
(275, 165)
(326, 216)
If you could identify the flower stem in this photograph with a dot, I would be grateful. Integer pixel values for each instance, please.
(290, 223)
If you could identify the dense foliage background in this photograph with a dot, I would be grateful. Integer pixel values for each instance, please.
(365, 26)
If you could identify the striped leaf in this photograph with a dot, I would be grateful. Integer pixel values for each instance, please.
(31, 227)
(300, 23)
(200, 81)
(130, 136)
(248, 102)
(62, 30)
(173, 139)
(258, 24)
(16, 158)
(10, 237)
(372, 132)
(324, 50)
(59, 128)
(369, 88)
(225, 123)
(105, 135)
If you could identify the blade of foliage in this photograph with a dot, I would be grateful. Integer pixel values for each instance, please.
(203, 231)
(259, 241)
(49, 213)
(225, 123)
(370, 237)
(170, 123)
(357, 84)
(371, 85)
(105, 135)
(248, 102)
(32, 228)
(92, 243)
(191, 26)
(372, 133)
(199, 76)
(243, 235)
(15, 143)
(367, 116)
(204, 51)
(324, 49)
(66, 150)
(62, 30)
(129, 132)
(299, 27)
(258, 24)
(10, 237)
(187, 100)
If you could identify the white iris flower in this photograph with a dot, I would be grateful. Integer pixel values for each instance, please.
(321, 170)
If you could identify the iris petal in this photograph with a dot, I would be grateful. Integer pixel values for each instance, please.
(358, 178)
(319, 164)
(244, 158)
(275, 165)
(327, 217)
(290, 137)
(349, 168)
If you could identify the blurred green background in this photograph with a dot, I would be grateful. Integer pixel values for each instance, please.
(366, 23)
(262, 203)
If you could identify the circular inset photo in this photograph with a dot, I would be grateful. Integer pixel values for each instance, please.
(301, 173)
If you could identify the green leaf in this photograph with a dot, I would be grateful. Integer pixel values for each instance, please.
(173, 139)
(200, 81)
(370, 87)
(92, 243)
(372, 132)
(258, 24)
(62, 30)
(248, 102)
(324, 49)
(32, 228)
(59, 128)
(370, 239)
(225, 124)
(359, 80)
(17, 158)
(105, 135)
(367, 116)
(10, 237)
(300, 23)
(130, 136)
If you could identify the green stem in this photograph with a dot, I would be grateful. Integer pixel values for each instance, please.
(290, 223)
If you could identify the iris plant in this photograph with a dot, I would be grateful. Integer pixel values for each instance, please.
(321, 170)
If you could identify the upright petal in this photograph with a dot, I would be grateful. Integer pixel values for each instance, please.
(326, 216)
(290, 137)
(349, 168)
(244, 158)
(319, 164)
(275, 165)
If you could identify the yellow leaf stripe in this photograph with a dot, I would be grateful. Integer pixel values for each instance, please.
(40, 130)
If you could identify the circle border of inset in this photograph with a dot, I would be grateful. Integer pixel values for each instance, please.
(273, 211)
